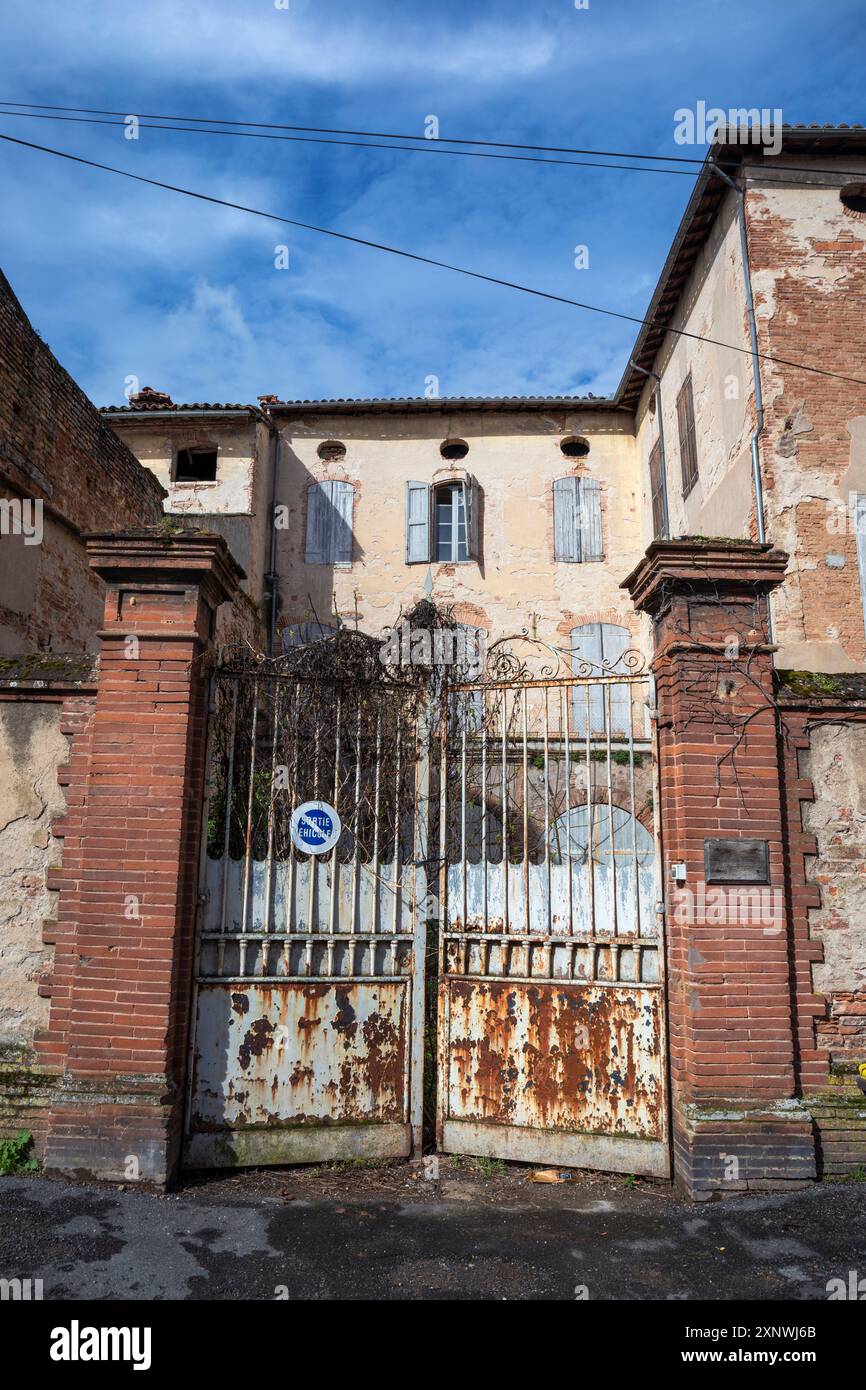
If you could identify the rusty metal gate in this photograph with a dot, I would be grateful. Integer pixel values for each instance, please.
(514, 815)
(551, 1002)
(308, 992)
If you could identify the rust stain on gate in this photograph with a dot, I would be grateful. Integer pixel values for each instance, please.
(542, 1056)
(297, 1053)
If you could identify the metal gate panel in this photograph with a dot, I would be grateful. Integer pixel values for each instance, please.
(551, 1000)
(308, 998)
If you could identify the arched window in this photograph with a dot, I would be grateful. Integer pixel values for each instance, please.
(592, 833)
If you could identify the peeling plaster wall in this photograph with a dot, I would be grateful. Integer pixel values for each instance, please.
(836, 765)
(515, 458)
(713, 304)
(156, 444)
(808, 255)
(236, 506)
(31, 749)
(808, 265)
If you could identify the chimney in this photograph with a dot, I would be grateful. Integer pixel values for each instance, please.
(148, 399)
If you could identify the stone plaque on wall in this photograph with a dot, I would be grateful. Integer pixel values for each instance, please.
(737, 861)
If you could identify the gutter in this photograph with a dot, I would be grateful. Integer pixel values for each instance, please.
(242, 413)
(449, 404)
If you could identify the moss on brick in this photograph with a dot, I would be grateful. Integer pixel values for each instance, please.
(821, 685)
(48, 668)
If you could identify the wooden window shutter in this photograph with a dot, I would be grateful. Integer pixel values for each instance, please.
(330, 508)
(590, 516)
(686, 427)
(566, 520)
(418, 528)
(342, 507)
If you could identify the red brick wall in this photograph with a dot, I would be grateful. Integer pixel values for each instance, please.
(55, 448)
(128, 884)
(737, 1122)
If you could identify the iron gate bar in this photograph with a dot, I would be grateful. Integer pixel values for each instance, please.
(607, 947)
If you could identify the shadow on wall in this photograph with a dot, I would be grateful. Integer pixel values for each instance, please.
(315, 538)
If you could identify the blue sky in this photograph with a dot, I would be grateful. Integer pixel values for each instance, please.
(125, 280)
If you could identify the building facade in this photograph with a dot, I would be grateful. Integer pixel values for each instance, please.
(687, 561)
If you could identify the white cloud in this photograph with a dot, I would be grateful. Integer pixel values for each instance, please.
(218, 41)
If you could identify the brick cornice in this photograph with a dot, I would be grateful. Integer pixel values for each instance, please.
(701, 565)
(153, 556)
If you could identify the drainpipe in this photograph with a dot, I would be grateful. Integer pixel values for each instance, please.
(271, 576)
(666, 525)
(757, 480)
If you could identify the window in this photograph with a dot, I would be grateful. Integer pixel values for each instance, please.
(597, 649)
(853, 197)
(589, 831)
(657, 489)
(574, 447)
(329, 524)
(450, 541)
(331, 450)
(688, 445)
(577, 520)
(195, 465)
(442, 521)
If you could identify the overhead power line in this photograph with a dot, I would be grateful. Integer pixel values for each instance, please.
(422, 260)
(430, 147)
(421, 141)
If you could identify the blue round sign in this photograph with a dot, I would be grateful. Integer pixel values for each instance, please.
(315, 827)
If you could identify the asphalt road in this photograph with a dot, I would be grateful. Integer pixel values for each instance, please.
(440, 1241)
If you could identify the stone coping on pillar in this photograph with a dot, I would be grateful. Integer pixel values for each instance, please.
(700, 564)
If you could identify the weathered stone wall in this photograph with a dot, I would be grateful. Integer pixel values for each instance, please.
(56, 449)
(808, 269)
(42, 702)
(31, 748)
(808, 256)
(34, 748)
(836, 765)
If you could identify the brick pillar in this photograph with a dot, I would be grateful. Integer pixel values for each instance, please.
(128, 886)
(737, 1121)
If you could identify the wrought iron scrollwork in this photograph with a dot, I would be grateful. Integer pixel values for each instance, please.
(520, 657)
